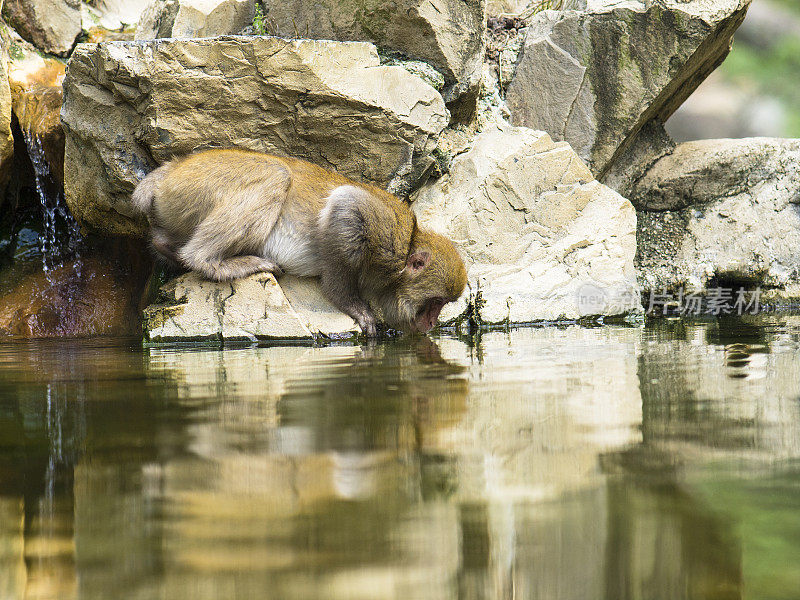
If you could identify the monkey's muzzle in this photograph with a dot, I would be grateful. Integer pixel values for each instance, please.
(428, 315)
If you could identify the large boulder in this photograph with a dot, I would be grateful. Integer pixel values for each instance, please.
(597, 77)
(255, 308)
(194, 18)
(724, 209)
(331, 103)
(542, 239)
(50, 25)
(448, 34)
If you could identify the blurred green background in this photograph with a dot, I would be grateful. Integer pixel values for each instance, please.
(756, 91)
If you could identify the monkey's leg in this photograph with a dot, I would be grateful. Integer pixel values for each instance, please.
(165, 246)
(222, 246)
(342, 292)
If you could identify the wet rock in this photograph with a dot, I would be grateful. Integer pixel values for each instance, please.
(190, 308)
(721, 208)
(596, 77)
(331, 103)
(50, 25)
(6, 139)
(36, 93)
(194, 18)
(448, 34)
(541, 238)
(87, 297)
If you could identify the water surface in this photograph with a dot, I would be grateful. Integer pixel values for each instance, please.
(557, 463)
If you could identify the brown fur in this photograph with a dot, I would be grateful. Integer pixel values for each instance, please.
(231, 213)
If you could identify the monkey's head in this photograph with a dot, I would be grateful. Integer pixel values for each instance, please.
(434, 275)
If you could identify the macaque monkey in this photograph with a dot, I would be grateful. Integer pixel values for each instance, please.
(230, 213)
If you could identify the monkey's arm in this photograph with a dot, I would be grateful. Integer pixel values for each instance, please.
(364, 239)
(341, 288)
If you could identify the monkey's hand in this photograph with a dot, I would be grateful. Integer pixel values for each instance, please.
(368, 324)
(340, 289)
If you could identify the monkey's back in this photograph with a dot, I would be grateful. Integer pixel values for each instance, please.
(242, 181)
(223, 180)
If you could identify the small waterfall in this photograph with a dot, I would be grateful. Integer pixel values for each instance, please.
(60, 239)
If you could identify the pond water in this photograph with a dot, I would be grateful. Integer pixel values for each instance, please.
(557, 463)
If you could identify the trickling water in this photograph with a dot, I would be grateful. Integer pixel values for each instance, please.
(60, 238)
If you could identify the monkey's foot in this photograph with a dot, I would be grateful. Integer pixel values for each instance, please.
(237, 267)
(165, 247)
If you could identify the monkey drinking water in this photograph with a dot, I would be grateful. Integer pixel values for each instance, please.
(230, 213)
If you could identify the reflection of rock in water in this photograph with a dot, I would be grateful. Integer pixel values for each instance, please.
(663, 543)
(708, 392)
(410, 469)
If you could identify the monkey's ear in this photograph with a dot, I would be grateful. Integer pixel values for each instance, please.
(417, 261)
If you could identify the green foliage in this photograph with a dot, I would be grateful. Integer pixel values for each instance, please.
(792, 5)
(774, 72)
(259, 23)
(15, 52)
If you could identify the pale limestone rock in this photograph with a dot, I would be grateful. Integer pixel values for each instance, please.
(253, 308)
(541, 238)
(50, 25)
(448, 34)
(194, 18)
(112, 14)
(508, 7)
(725, 208)
(331, 103)
(597, 77)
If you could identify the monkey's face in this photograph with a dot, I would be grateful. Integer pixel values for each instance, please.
(434, 275)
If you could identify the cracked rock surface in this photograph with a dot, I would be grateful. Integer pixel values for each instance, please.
(537, 232)
(254, 308)
(596, 77)
(331, 103)
(448, 34)
(728, 208)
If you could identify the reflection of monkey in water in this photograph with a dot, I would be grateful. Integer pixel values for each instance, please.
(399, 394)
(231, 213)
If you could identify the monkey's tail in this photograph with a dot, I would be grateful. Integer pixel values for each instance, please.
(145, 192)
